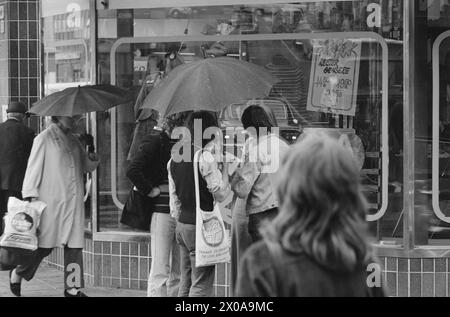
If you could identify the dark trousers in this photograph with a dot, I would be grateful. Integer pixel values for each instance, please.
(73, 266)
(255, 221)
(195, 281)
(4, 197)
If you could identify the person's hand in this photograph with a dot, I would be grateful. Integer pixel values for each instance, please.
(93, 157)
(155, 192)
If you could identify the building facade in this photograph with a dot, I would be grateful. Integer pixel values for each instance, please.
(373, 73)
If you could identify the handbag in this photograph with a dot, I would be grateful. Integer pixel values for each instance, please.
(138, 210)
(212, 243)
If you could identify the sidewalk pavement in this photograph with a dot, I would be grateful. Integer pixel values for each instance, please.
(48, 282)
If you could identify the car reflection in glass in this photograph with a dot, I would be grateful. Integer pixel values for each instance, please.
(290, 122)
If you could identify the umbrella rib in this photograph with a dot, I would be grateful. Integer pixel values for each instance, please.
(74, 98)
(42, 102)
(96, 98)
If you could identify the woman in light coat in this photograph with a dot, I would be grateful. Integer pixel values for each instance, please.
(54, 176)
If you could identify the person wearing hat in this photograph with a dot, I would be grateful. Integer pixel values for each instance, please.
(16, 140)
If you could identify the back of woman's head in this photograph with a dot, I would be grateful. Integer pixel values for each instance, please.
(176, 120)
(258, 116)
(208, 119)
(322, 209)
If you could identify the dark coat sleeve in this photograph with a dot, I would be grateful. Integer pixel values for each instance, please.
(255, 279)
(149, 147)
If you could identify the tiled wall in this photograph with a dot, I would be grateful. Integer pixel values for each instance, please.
(417, 277)
(56, 260)
(125, 265)
(4, 69)
(20, 53)
(23, 25)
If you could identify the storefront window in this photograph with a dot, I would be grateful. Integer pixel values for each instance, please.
(429, 111)
(439, 224)
(66, 59)
(344, 99)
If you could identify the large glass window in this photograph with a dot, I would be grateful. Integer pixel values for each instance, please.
(342, 96)
(429, 116)
(439, 221)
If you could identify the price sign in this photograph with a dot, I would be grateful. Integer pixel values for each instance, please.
(334, 77)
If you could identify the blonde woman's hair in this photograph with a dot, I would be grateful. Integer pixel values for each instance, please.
(322, 209)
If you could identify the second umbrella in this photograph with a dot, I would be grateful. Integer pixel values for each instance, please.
(209, 84)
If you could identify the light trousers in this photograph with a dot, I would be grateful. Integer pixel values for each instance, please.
(164, 278)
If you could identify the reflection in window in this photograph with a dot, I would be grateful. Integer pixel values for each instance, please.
(439, 228)
(66, 27)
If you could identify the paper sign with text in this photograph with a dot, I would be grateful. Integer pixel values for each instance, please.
(333, 85)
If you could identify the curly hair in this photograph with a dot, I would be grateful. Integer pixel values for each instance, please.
(176, 120)
(322, 209)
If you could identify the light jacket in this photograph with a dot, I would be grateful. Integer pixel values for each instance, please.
(256, 178)
(210, 169)
(54, 176)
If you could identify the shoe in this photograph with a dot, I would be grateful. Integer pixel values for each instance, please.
(79, 294)
(14, 287)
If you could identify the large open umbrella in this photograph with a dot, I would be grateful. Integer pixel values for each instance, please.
(209, 84)
(79, 100)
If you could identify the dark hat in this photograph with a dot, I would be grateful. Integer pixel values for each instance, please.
(17, 106)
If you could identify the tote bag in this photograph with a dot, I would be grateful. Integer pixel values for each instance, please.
(21, 223)
(212, 245)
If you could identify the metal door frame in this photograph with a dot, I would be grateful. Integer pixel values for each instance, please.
(436, 106)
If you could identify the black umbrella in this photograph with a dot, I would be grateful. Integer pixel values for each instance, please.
(79, 100)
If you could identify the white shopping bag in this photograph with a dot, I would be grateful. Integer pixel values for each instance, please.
(212, 244)
(21, 223)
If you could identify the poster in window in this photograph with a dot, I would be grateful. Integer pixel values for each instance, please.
(333, 86)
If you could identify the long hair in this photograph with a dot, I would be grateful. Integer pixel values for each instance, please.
(208, 120)
(322, 209)
(259, 116)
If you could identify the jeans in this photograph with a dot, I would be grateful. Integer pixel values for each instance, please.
(255, 222)
(195, 281)
(240, 239)
(73, 266)
(164, 278)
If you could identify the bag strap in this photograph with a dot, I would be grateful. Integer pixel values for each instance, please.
(196, 180)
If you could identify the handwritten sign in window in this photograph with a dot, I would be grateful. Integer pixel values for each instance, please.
(333, 85)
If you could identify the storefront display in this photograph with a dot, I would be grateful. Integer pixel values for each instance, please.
(341, 71)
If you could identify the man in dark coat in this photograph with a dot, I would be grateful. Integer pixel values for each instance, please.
(16, 140)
